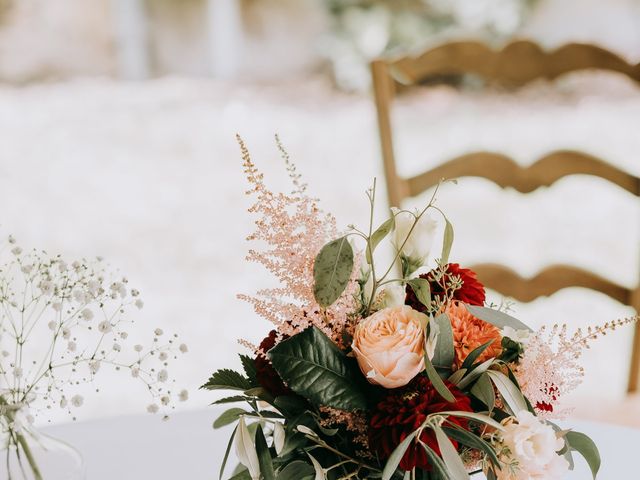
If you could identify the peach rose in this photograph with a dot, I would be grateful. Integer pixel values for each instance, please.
(389, 346)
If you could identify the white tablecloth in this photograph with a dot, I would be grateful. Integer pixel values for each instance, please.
(187, 448)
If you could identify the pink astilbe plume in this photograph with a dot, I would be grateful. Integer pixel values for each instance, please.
(293, 229)
(550, 367)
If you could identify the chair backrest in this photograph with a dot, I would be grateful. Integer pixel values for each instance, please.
(516, 64)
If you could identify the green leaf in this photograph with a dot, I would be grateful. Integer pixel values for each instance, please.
(483, 391)
(457, 376)
(243, 474)
(228, 417)
(471, 440)
(510, 393)
(332, 271)
(319, 471)
(496, 317)
(437, 463)
(377, 236)
(279, 437)
(246, 450)
(396, 456)
(478, 417)
(232, 399)
(475, 353)
(264, 456)
(447, 241)
(475, 373)
(315, 368)
(226, 379)
(422, 289)
(437, 382)
(249, 367)
(582, 444)
(226, 453)
(444, 353)
(450, 455)
(296, 470)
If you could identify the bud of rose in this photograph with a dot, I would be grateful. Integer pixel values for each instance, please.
(389, 346)
(414, 244)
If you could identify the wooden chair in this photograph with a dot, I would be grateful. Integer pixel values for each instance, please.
(514, 65)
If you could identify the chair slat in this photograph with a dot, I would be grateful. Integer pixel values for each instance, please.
(505, 172)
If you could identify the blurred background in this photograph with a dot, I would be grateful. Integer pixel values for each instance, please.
(118, 121)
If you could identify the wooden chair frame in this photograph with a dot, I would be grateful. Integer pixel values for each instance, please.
(516, 64)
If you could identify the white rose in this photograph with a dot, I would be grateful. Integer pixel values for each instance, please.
(393, 295)
(418, 244)
(533, 447)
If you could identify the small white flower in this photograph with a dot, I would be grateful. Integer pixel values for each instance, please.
(138, 348)
(393, 295)
(77, 401)
(66, 333)
(104, 327)
(62, 266)
(71, 346)
(17, 372)
(57, 306)
(183, 348)
(63, 402)
(52, 325)
(163, 356)
(16, 251)
(183, 395)
(417, 244)
(94, 366)
(46, 287)
(93, 287)
(135, 371)
(79, 296)
(11, 239)
(76, 265)
(124, 335)
(153, 408)
(139, 303)
(87, 314)
(5, 353)
(26, 269)
(117, 347)
(165, 400)
(163, 375)
(158, 331)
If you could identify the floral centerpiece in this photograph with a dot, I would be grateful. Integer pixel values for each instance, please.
(369, 373)
(62, 325)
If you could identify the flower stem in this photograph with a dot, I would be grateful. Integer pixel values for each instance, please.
(21, 441)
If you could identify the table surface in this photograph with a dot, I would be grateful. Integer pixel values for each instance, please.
(187, 447)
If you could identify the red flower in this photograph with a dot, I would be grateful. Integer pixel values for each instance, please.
(471, 292)
(266, 375)
(402, 411)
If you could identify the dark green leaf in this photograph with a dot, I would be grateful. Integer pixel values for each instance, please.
(264, 456)
(249, 367)
(475, 353)
(496, 317)
(452, 460)
(437, 463)
(509, 392)
(377, 236)
(243, 474)
(227, 417)
(422, 289)
(471, 440)
(332, 271)
(233, 399)
(438, 384)
(226, 453)
(297, 470)
(483, 391)
(444, 353)
(226, 379)
(582, 444)
(290, 405)
(315, 368)
(396, 456)
(447, 242)
(475, 373)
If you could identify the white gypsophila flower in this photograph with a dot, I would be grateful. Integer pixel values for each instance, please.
(158, 331)
(18, 372)
(57, 306)
(165, 400)
(26, 269)
(104, 326)
(124, 335)
(163, 356)
(63, 402)
(520, 336)
(183, 348)
(93, 287)
(5, 353)
(393, 295)
(16, 251)
(87, 314)
(94, 366)
(62, 266)
(77, 400)
(78, 296)
(153, 408)
(183, 396)
(46, 287)
(163, 375)
(533, 448)
(117, 347)
(135, 371)
(71, 346)
(138, 348)
(66, 333)
(417, 244)
(139, 303)
(52, 325)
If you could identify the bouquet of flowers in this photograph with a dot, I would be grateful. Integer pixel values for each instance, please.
(369, 373)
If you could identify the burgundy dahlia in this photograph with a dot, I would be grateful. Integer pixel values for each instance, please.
(402, 411)
(266, 375)
(471, 292)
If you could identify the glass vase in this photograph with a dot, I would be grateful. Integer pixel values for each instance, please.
(27, 454)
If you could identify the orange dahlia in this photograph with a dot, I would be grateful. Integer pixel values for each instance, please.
(470, 332)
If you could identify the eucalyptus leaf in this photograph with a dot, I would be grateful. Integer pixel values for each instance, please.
(246, 450)
(483, 391)
(279, 437)
(319, 471)
(226, 453)
(457, 376)
(228, 417)
(264, 456)
(582, 444)
(377, 236)
(471, 440)
(437, 382)
(447, 241)
(315, 368)
(475, 373)
(444, 352)
(332, 270)
(497, 318)
(510, 393)
(422, 289)
(478, 417)
(296, 470)
(396, 456)
(450, 455)
(437, 463)
(475, 354)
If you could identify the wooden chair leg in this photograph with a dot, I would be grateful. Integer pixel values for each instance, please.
(634, 372)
